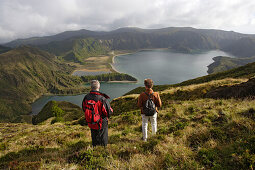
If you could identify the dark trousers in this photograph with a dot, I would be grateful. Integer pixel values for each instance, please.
(100, 137)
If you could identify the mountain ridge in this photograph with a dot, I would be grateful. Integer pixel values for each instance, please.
(136, 38)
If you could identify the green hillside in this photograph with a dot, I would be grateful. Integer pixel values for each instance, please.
(27, 73)
(204, 123)
(4, 49)
(77, 45)
(76, 50)
(194, 132)
(243, 47)
(222, 63)
(59, 111)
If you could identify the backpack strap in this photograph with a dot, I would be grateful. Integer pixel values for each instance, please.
(149, 95)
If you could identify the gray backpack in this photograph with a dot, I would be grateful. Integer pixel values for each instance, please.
(149, 108)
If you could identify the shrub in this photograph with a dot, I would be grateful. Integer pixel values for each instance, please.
(208, 158)
(169, 115)
(57, 119)
(90, 159)
(82, 121)
(129, 118)
(113, 125)
(169, 161)
(150, 145)
(126, 131)
(114, 138)
(3, 146)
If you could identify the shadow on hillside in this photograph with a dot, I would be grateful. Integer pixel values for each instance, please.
(31, 158)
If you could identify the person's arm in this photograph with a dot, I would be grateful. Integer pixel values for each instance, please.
(107, 110)
(159, 103)
(140, 103)
(83, 104)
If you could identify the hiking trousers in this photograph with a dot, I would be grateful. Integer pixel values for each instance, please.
(153, 120)
(100, 137)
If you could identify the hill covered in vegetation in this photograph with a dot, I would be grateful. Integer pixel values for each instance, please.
(195, 131)
(77, 50)
(243, 47)
(77, 45)
(4, 49)
(26, 73)
(198, 133)
(109, 77)
(222, 63)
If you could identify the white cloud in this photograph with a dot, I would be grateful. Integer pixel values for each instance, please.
(26, 18)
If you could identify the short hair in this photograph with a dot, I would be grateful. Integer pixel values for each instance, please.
(95, 85)
(148, 83)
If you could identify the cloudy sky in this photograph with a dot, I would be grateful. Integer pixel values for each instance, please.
(27, 18)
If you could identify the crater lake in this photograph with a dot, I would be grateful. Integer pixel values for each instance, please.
(163, 66)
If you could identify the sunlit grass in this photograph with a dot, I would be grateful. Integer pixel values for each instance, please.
(200, 133)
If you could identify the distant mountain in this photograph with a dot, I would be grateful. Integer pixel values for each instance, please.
(58, 37)
(222, 63)
(243, 47)
(77, 50)
(77, 45)
(26, 73)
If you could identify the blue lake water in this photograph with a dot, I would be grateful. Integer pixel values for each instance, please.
(163, 66)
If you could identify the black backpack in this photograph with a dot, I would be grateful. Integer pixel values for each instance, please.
(149, 108)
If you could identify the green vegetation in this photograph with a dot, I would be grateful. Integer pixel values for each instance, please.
(193, 133)
(226, 63)
(77, 50)
(4, 49)
(184, 39)
(197, 128)
(26, 73)
(109, 77)
(243, 47)
(60, 111)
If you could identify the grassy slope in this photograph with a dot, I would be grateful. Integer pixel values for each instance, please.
(25, 74)
(226, 63)
(194, 132)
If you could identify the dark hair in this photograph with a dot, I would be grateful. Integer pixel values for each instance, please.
(148, 83)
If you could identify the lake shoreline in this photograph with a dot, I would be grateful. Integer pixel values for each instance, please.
(112, 61)
(118, 88)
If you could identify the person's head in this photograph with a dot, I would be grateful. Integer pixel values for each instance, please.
(148, 83)
(95, 85)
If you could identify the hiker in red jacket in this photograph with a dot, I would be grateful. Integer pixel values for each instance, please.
(97, 110)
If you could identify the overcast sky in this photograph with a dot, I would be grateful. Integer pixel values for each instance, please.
(27, 18)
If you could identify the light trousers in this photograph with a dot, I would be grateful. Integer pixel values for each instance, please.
(153, 120)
